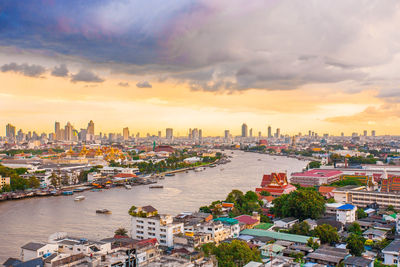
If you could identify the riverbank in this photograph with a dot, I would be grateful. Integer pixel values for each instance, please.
(36, 219)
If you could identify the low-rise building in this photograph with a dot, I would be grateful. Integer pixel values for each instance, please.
(346, 213)
(34, 250)
(329, 256)
(374, 234)
(4, 181)
(315, 177)
(285, 222)
(358, 262)
(247, 221)
(391, 253)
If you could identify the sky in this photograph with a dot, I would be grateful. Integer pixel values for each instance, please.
(327, 66)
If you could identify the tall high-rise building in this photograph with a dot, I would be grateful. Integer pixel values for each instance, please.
(373, 133)
(169, 133)
(259, 134)
(269, 132)
(57, 130)
(226, 134)
(68, 132)
(200, 134)
(244, 130)
(309, 133)
(159, 134)
(125, 133)
(278, 133)
(365, 133)
(251, 132)
(342, 134)
(90, 128)
(10, 131)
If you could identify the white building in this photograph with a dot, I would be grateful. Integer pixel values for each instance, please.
(392, 253)
(35, 250)
(346, 213)
(116, 170)
(147, 223)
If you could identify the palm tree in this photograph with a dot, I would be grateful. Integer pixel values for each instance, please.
(121, 232)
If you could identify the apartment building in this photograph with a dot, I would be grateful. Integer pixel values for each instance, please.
(361, 197)
(4, 181)
(147, 223)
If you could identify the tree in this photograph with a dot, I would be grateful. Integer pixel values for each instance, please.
(121, 232)
(236, 253)
(132, 210)
(302, 204)
(54, 180)
(312, 244)
(302, 228)
(314, 165)
(355, 244)
(354, 228)
(327, 234)
(33, 182)
(265, 193)
(361, 213)
(390, 208)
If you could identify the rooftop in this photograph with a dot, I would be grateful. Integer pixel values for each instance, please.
(346, 207)
(275, 235)
(317, 173)
(33, 246)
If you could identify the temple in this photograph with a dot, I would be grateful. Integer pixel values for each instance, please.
(276, 184)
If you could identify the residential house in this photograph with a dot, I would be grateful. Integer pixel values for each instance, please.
(358, 262)
(247, 221)
(285, 223)
(346, 213)
(34, 250)
(391, 253)
(327, 255)
(374, 234)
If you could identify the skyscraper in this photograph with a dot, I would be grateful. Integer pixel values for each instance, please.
(244, 130)
(159, 134)
(10, 131)
(68, 132)
(125, 133)
(365, 133)
(169, 133)
(90, 128)
(278, 133)
(373, 133)
(57, 130)
(226, 134)
(251, 132)
(269, 132)
(200, 134)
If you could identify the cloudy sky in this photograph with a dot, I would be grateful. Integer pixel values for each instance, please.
(329, 66)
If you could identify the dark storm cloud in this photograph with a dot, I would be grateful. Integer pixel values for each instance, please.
(86, 76)
(60, 71)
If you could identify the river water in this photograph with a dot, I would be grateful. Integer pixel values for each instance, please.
(33, 220)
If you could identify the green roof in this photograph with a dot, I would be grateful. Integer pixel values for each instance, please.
(227, 220)
(278, 236)
(274, 247)
(264, 226)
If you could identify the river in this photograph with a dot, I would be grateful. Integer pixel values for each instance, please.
(33, 220)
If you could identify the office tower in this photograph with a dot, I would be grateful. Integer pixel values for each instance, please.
(125, 133)
(365, 133)
(190, 133)
(373, 133)
(169, 133)
(82, 136)
(244, 130)
(159, 134)
(342, 134)
(90, 128)
(269, 132)
(148, 135)
(137, 135)
(195, 133)
(259, 134)
(10, 131)
(20, 135)
(57, 130)
(68, 132)
(226, 134)
(251, 132)
(309, 133)
(278, 133)
(200, 134)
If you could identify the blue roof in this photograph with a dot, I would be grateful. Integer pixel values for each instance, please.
(346, 207)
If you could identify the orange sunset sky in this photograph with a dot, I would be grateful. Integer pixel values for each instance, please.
(325, 66)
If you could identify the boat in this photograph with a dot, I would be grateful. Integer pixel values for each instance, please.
(156, 186)
(170, 174)
(67, 193)
(103, 211)
(259, 159)
(128, 186)
(79, 198)
(213, 165)
(198, 169)
(96, 190)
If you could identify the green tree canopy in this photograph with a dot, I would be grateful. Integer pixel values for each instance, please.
(354, 228)
(302, 228)
(355, 244)
(302, 204)
(121, 231)
(236, 253)
(314, 165)
(327, 234)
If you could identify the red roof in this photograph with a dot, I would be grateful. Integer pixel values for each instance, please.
(246, 219)
(125, 175)
(318, 173)
(326, 189)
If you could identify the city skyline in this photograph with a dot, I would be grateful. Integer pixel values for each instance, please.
(324, 77)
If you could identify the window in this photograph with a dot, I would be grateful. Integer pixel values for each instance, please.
(163, 236)
(140, 221)
(163, 230)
